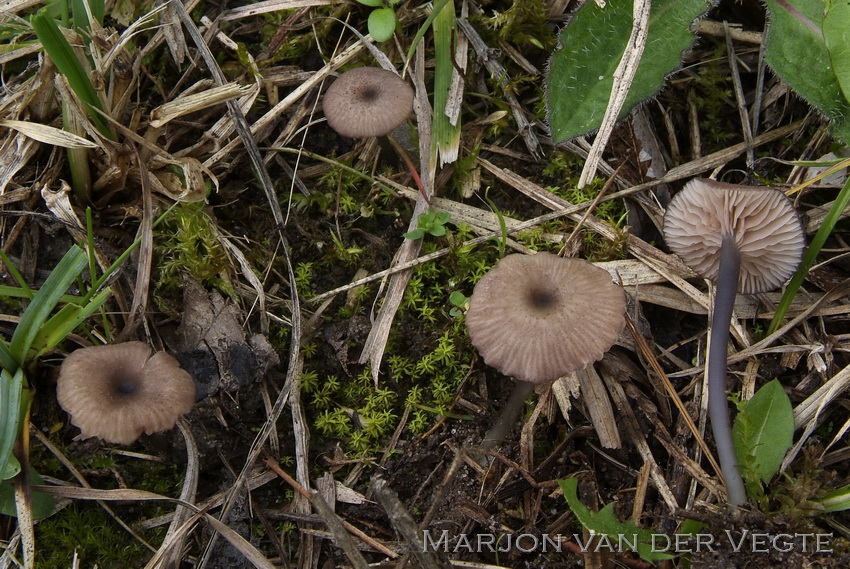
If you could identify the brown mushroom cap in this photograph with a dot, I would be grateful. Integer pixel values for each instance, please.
(539, 317)
(117, 392)
(763, 222)
(367, 101)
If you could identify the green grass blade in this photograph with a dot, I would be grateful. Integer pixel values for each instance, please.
(65, 321)
(438, 7)
(7, 361)
(11, 397)
(17, 292)
(445, 136)
(837, 500)
(45, 301)
(16, 275)
(810, 256)
(62, 54)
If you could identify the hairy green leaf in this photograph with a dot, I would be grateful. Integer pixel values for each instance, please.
(590, 49)
(796, 50)
(763, 431)
(836, 34)
(605, 523)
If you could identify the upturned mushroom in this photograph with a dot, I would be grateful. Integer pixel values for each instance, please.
(539, 317)
(117, 392)
(747, 239)
(367, 101)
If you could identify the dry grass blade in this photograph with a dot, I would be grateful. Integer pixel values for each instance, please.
(245, 134)
(332, 521)
(595, 398)
(373, 348)
(175, 537)
(83, 482)
(404, 524)
(496, 69)
(293, 369)
(48, 134)
(15, 153)
(262, 127)
(268, 6)
(171, 110)
(243, 546)
(623, 76)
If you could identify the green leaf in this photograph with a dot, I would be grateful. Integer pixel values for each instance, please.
(836, 501)
(44, 301)
(66, 61)
(373, 3)
(11, 398)
(65, 321)
(42, 504)
(445, 135)
(763, 431)
(382, 23)
(836, 34)
(7, 360)
(590, 49)
(415, 234)
(797, 52)
(603, 522)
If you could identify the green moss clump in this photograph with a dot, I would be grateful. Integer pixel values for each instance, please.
(187, 244)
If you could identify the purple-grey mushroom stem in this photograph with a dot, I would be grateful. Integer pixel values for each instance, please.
(718, 406)
(507, 418)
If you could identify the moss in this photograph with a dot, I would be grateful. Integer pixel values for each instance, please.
(188, 244)
(70, 530)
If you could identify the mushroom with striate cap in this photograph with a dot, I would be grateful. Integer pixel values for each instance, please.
(116, 392)
(367, 101)
(539, 317)
(747, 239)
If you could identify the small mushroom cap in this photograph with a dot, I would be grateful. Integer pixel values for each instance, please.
(539, 317)
(117, 392)
(762, 220)
(367, 101)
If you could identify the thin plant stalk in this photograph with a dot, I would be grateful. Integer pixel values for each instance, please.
(718, 406)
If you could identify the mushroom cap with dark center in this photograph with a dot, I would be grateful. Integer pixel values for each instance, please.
(762, 221)
(117, 392)
(539, 317)
(367, 101)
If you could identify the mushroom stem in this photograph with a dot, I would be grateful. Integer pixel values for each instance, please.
(718, 407)
(508, 416)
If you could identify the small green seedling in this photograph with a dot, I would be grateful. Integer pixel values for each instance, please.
(430, 222)
(459, 302)
(382, 20)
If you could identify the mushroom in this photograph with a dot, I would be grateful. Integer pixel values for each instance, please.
(367, 101)
(747, 239)
(117, 392)
(539, 317)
